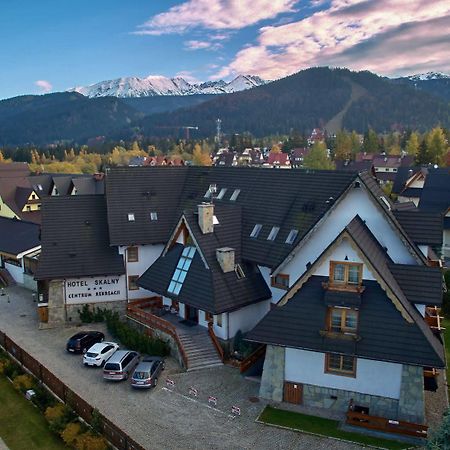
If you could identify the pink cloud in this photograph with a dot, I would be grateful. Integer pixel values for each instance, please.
(202, 45)
(214, 15)
(386, 36)
(44, 86)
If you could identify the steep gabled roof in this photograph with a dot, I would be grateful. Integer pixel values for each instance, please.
(75, 239)
(18, 236)
(423, 227)
(436, 191)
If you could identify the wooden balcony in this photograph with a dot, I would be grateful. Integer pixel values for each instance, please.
(433, 319)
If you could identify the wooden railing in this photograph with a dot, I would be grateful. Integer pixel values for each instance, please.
(251, 359)
(215, 341)
(386, 425)
(433, 319)
(153, 321)
(149, 302)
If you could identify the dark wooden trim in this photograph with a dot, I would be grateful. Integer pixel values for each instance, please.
(273, 282)
(135, 248)
(132, 279)
(346, 264)
(339, 372)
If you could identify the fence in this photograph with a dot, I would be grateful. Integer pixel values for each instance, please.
(111, 432)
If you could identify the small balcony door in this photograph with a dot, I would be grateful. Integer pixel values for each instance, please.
(191, 313)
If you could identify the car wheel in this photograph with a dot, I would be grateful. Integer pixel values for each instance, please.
(102, 363)
(155, 382)
(126, 376)
(84, 350)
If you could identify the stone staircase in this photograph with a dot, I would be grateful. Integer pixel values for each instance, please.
(6, 278)
(200, 350)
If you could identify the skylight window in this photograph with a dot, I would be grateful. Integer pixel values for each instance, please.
(239, 272)
(235, 194)
(221, 193)
(153, 215)
(256, 230)
(291, 236)
(130, 217)
(39, 186)
(273, 233)
(181, 270)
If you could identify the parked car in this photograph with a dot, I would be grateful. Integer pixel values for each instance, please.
(80, 342)
(147, 372)
(99, 353)
(120, 365)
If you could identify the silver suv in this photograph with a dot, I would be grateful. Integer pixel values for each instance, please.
(120, 365)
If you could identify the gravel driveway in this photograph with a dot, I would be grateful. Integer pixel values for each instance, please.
(161, 418)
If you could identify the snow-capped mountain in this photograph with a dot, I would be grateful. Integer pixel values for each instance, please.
(428, 76)
(155, 85)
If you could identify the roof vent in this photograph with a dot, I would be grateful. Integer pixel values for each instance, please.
(357, 184)
(87, 223)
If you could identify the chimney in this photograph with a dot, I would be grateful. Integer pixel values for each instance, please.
(206, 217)
(225, 257)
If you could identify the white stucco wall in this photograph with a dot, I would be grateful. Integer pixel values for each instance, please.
(246, 318)
(421, 309)
(147, 255)
(372, 377)
(107, 288)
(16, 272)
(221, 332)
(446, 243)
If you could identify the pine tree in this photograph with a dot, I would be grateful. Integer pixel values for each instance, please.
(371, 143)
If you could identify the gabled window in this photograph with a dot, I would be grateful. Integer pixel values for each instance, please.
(291, 237)
(130, 217)
(273, 233)
(181, 270)
(256, 230)
(342, 320)
(235, 194)
(340, 364)
(221, 193)
(153, 215)
(345, 273)
(280, 281)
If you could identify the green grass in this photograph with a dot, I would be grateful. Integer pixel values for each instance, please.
(22, 426)
(324, 427)
(446, 325)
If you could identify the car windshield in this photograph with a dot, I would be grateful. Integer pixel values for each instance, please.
(112, 366)
(91, 355)
(141, 375)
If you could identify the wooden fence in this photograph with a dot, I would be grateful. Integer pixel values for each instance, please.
(110, 431)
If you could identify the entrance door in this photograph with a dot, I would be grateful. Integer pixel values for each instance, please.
(191, 313)
(293, 392)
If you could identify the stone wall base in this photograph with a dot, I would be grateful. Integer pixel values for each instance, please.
(72, 311)
(272, 380)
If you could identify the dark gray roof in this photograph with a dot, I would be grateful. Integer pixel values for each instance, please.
(75, 239)
(353, 166)
(423, 227)
(88, 185)
(385, 335)
(401, 177)
(17, 236)
(436, 191)
(290, 199)
(420, 284)
(208, 288)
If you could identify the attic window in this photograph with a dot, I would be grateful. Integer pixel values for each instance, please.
(130, 217)
(234, 195)
(239, 272)
(181, 270)
(291, 236)
(153, 215)
(39, 186)
(273, 233)
(221, 193)
(211, 191)
(256, 230)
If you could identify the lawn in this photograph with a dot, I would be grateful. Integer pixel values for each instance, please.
(446, 325)
(324, 427)
(22, 426)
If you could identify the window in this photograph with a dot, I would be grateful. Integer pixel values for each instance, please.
(256, 230)
(221, 193)
(211, 190)
(181, 270)
(273, 233)
(132, 286)
(280, 281)
(345, 273)
(132, 254)
(291, 236)
(234, 195)
(239, 272)
(208, 317)
(153, 215)
(28, 208)
(343, 320)
(219, 320)
(130, 217)
(340, 364)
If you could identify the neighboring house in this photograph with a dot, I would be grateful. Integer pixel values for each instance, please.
(19, 249)
(408, 184)
(278, 160)
(386, 166)
(297, 156)
(351, 331)
(356, 166)
(226, 159)
(317, 135)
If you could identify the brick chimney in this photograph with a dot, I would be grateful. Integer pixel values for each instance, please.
(206, 217)
(225, 257)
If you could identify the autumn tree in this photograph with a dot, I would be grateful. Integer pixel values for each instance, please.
(200, 158)
(318, 158)
(437, 146)
(355, 142)
(343, 146)
(412, 144)
(371, 143)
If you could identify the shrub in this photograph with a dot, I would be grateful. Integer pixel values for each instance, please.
(23, 382)
(3, 364)
(54, 412)
(59, 416)
(42, 398)
(12, 370)
(440, 439)
(86, 315)
(71, 432)
(96, 421)
(88, 441)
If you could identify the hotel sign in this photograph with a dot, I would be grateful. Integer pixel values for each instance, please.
(95, 289)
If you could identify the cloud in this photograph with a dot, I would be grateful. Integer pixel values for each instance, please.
(44, 86)
(202, 45)
(214, 15)
(390, 37)
(188, 76)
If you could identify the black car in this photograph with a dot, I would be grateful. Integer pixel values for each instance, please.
(80, 342)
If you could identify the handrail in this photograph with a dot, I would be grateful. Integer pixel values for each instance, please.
(151, 320)
(246, 363)
(215, 341)
(387, 425)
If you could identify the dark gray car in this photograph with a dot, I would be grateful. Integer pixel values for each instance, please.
(147, 372)
(120, 365)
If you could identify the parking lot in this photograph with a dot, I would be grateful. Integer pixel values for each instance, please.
(164, 417)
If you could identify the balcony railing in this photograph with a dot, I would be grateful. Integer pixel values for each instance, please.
(433, 319)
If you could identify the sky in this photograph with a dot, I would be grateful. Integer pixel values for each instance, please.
(53, 45)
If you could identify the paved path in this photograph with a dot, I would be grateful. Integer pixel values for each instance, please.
(161, 418)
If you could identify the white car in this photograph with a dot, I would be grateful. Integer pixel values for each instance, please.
(99, 353)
